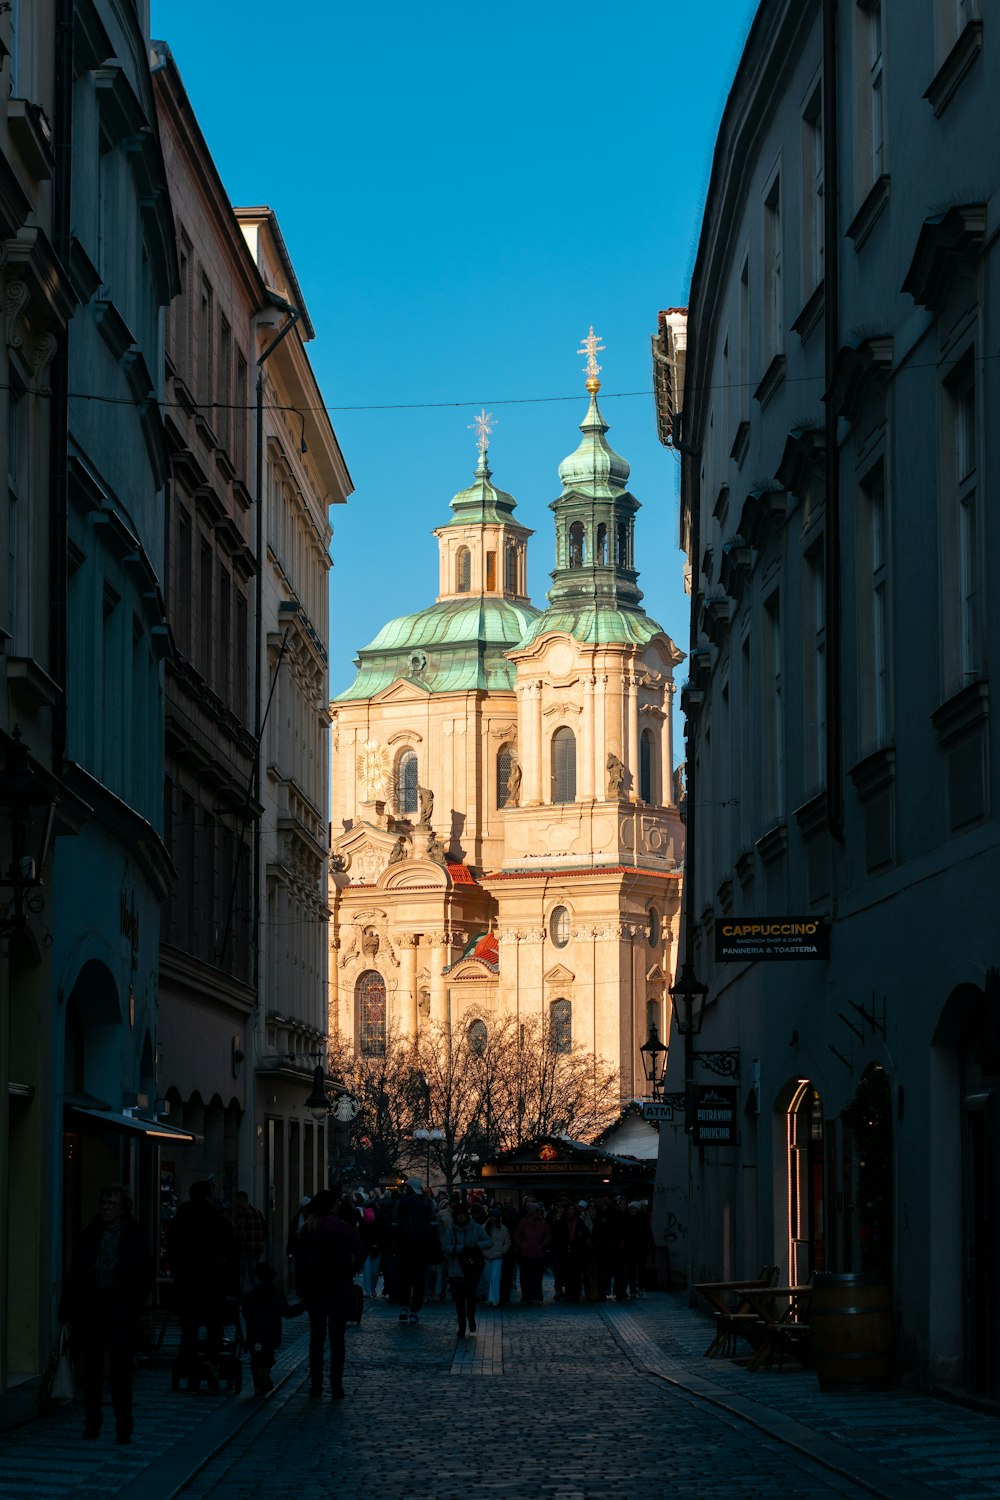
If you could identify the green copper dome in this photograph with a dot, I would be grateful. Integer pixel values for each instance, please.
(594, 625)
(482, 502)
(594, 468)
(457, 645)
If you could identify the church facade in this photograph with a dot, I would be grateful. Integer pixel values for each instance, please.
(506, 837)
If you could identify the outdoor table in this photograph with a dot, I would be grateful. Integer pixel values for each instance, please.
(781, 1329)
(733, 1312)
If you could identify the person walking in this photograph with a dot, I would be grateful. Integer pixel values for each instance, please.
(499, 1237)
(250, 1229)
(571, 1238)
(204, 1262)
(264, 1306)
(109, 1278)
(413, 1223)
(328, 1251)
(371, 1236)
(532, 1240)
(464, 1243)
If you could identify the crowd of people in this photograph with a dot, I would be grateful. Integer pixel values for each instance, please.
(405, 1244)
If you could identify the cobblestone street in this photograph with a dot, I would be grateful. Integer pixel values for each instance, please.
(565, 1403)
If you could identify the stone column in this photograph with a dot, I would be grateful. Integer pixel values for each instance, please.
(438, 945)
(588, 778)
(529, 765)
(667, 748)
(631, 687)
(601, 734)
(408, 986)
(542, 757)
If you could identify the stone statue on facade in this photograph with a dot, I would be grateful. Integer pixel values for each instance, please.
(616, 777)
(398, 851)
(514, 783)
(426, 799)
(435, 851)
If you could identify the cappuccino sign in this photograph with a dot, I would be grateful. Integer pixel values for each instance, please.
(748, 939)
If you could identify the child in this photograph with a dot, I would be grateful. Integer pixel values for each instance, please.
(263, 1309)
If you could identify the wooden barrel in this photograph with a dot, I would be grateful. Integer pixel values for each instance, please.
(852, 1333)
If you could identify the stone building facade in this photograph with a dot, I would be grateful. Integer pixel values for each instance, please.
(506, 841)
(837, 451)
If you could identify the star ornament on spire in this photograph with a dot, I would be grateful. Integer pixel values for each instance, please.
(482, 424)
(592, 347)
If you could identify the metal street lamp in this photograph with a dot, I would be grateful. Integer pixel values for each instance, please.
(688, 995)
(319, 1101)
(428, 1134)
(654, 1059)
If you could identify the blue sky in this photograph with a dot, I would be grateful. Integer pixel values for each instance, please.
(463, 193)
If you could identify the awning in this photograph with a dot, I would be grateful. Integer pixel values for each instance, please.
(152, 1130)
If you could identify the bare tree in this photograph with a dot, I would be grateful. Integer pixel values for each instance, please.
(450, 1067)
(386, 1083)
(540, 1087)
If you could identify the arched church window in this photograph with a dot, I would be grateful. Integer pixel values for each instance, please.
(564, 765)
(561, 1026)
(623, 550)
(577, 545)
(653, 1009)
(406, 782)
(601, 549)
(653, 927)
(463, 570)
(491, 571)
(510, 569)
(370, 998)
(559, 926)
(478, 1037)
(646, 766)
(505, 760)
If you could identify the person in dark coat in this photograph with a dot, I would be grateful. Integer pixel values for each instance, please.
(264, 1306)
(328, 1251)
(413, 1222)
(204, 1262)
(109, 1279)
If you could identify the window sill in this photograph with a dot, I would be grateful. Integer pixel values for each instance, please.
(955, 68)
(741, 443)
(811, 312)
(875, 772)
(773, 377)
(773, 844)
(29, 130)
(867, 215)
(811, 816)
(962, 711)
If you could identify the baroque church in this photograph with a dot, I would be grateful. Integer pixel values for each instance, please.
(506, 839)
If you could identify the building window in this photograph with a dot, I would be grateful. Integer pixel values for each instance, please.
(646, 766)
(812, 191)
(873, 623)
(370, 994)
(653, 1014)
(653, 927)
(463, 571)
(814, 661)
(774, 729)
(564, 765)
(478, 1037)
(491, 571)
(510, 565)
(505, 763)
(406, 796)
(561, 1026)
(577, 545)
(870, 83)
(623, 545)
(773, 279)
(559, 926)
(966, 515)
(601, 550)
(743, 353)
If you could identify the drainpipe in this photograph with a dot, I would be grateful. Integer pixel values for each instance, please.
(294, 314)
(831, 552)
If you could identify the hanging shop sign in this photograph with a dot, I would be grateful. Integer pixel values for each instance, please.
(714, 1115)
(750, 939)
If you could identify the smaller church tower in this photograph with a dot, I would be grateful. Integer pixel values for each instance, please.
(483, 551)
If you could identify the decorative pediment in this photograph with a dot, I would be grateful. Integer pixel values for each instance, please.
(858, 369)
(763, 508)
(364, 853)
(654, 975)
(560, 975)
(403, 690)
(944, 243)
(803, 458)
(505, 731)
(414, 873)
(405, 737)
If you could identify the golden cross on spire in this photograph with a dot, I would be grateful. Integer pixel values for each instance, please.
(484, 424)
(591, 347)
